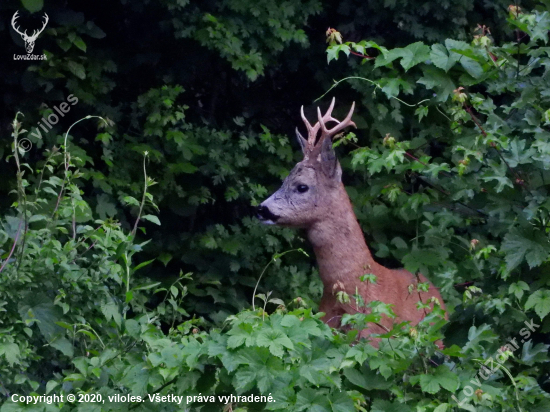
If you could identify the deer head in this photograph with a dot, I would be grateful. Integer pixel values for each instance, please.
(29, 40)
(314, 185)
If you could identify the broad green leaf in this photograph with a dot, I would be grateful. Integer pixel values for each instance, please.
(275, 340)
(439, 81)
(472, 67)
(380, 405)
(111, 310)
(33, 5)
(414, 54)
(11, 352)
(64, 345)
(440, 57)
(78, 42)
(313, 400)
(151, 218)
(518, 288)
(540, 301)
(526, 244)
(442, 377)
(45, 314)
(77, 69)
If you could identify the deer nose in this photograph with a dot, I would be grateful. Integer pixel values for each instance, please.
(264, 214)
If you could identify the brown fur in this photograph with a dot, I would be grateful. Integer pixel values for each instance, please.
(326, 213)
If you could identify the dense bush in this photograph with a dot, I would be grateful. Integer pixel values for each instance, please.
(453, 183)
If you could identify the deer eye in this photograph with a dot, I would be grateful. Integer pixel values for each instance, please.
(302, 188)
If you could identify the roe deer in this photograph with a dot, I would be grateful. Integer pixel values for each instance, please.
(313, 197)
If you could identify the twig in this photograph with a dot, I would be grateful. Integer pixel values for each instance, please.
(13, 247)
(364, 56)
(143, 197)
(377, 86)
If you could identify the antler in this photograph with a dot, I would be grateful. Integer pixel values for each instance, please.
(312, 131)
(13, 23)
(37, 32)
(24, 34)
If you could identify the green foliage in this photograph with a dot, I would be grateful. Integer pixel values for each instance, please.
(453, 183)
(246, 34)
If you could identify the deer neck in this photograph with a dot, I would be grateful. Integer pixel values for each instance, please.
(339, 244)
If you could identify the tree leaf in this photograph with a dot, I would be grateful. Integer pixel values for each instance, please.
(414, 54)
(151, 218)
(77, 69)
(33, 5)
(438, 80)
(275, 340)
(440, 57)
(525, 243)
(540, 301)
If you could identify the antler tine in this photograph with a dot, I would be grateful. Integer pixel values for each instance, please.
(321, 124)
(311, 130)
(37, 32)
(330, 108)
(14, 22)
(308, 125)
(340, 126)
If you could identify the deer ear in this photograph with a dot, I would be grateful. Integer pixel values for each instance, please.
(329, 162)
(302, 141)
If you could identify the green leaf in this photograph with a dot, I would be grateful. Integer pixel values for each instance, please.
(341, 402)
(525, 243)
(33, 5)
(105, 207)
(387, 57)
(518, 288)
(165, 258)
(111, 311)
(244, 380)
(45, 314)
(441, 378)
(182, 167)
(51, 385)
(440, 57)
(78, 42)
(142, 264)
(410, 56)
(64, 345)
(240, 334)
(136, 378)
(77, 69)
(391, 87)
(472, 67)
(130, 200)
(313, 400)
(414, 54)
(422, 259)
(421, 112)
(438, 80)
(275, 340)
(540, 301)
(386, 406)
(37, 218)
(11, 352)
(367, 378)
(151, 218)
